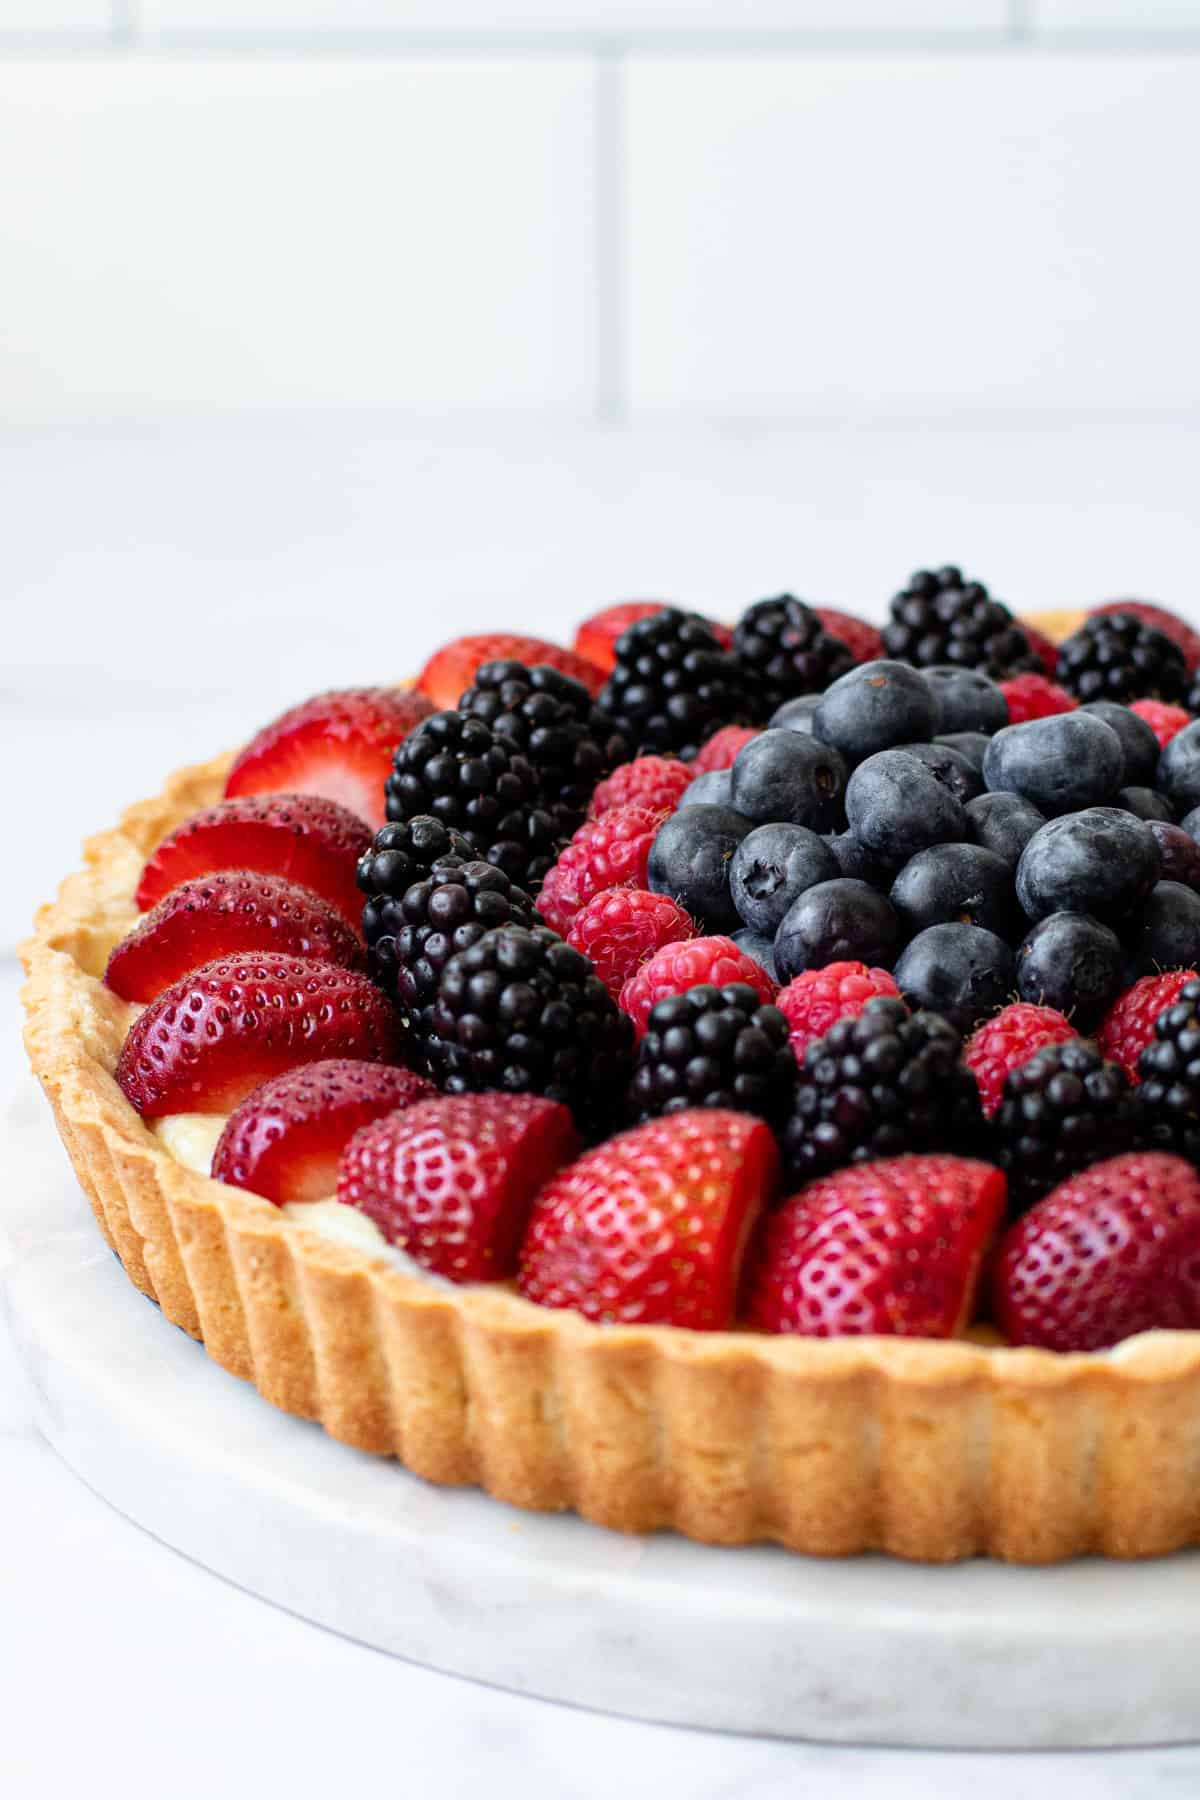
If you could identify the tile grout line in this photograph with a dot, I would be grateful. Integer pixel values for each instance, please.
(610, 240)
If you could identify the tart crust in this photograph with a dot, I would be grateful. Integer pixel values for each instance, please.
(931, 1451)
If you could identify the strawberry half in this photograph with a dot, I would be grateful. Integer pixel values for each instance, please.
(227, 1027)
(651, 1227)
(597, 637)
(891, 1247)
(314, 842)
(338, 745)
(451, 670)
(225, 914)
(285, 1138)
(451, 1180)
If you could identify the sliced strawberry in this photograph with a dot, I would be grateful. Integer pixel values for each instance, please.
(597, 636)
(892, 1248)
(228, 913)
(864, 641)
(338, 745)
(233, 1024)
(311, 841)
(651, 1227)
(285, 1138)
(451, 1180)
(451, 670)
(1177, 629)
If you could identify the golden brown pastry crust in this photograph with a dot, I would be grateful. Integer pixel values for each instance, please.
(927, 1450)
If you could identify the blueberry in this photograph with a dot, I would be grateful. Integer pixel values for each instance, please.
(857, 863)
(1073, 963)
(1146, 803)
(895, 806)
(713, 788)
(1178, 854)
(961, 971)
(1102, 861)
(795, 714)
(1179, 770)
(1137, 741)
(874, 707)
(955, 882)
(966, 700)
(1190, 823)
(786, 775)
(951, 768)
(760, 949)
(690, 858)
(772, 867)
(970, 745)
(1062, 764)
(1003, 823)
(1170, 930)
(837, 921)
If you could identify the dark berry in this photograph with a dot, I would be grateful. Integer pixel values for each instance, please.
(713, 788)
(715, 1047)
(1003, 823)
(896, 805)
(1101, 861)
(1169, 934)
(458, 770)
(785, 651)
(955, 882)
(837, 921)
(961, 971)
(672, 685)
(857, 863)
(970, 745)
(1072, 963)
(1146, 803)
(1063, 1109)
(1115, 656)
(875, 707)
(1063, 763)
(1178, 854)
(1137, 741)
(966, 700)
(399, 855)
(761, 949)
(957, 774)
(795, 715)
(1178, 774)
(790, 777)
(1169, 1073)
(771, 867)
(690, 858)
(942, 618)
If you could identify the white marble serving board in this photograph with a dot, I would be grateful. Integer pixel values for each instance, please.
(861, 1651)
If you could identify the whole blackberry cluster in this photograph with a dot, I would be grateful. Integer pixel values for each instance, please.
(882, 1083)
(1169, 1071)
(1063, 1109)
(1115, 656)
(521, 1011)
(786, 651)
(715, 1046)
(942, 618)
(672, 685)
(399, 855)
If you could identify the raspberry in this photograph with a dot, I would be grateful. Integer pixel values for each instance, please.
(864, 642)
(655, 781)
(1163, 719)
(708, 961)
(722, 747)
(1128, 1025)
(1005, 1042)
(610, 852)
(1035, 697)
(620, 928)
(817, 999)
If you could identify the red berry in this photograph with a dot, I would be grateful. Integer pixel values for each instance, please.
(817, 999)
(224, 914)
(1128, 1025)
(231, 1025)
(451, 1180)
(1043, 648)
(618, 929)
(1006, 1041)
(338, 745)
(597, 636)
(651, 1227)
(675, 968)
(654, 781)
(1163, 719)
(722, 747)
(864, 641)
(284, 1140)
(311, 841)
(1177, 629)
(609, 852)
(1035, 697)
(892, 1247)
(1110, 1252)
(451, 670)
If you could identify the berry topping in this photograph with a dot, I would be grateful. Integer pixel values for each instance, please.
(451, 1181)
(896, 805)
(1060, 764)
(1169, 1068)
(227, 1027)
(300, 837)
(612, 851)
(715, 1047)
(676, 968)
(338, 745)
(721, 749)
(651, 1227)
(284, 1140)
(596, 638)
(785, 651)
(942, 618)
(1003, 1043)
(1168, 934)
(1179, 775)
(672, 684)
(966, 700)
(691, 858)
(223, 914)
(1128, 1026)
(1101, 861)
(814, 1002)
(1138, 741)
(1115, 656)
(619, 929)
(1169, 623)
(400, 855)
(962, 971)
(1034, 696)
(658, 782)
(1064, 1108)
(461, 772)
(1003, 823)
(837, 921)
(874, 707)
(772, 866)
(1164, 720)
(892, 1248)
(451, 670)
(950, 882)
(787, 776)
(1073, 963)
(1178, 854)
(1044, 648)
(1111, 1252)
(864, 641)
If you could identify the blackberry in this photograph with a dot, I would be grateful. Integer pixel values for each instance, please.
(460, 771)
(885, 1082)
(399, 855)
(785, 652)
(715, 1047)
(942, 618)
(672, 685)
(521, 1011)
(1169, 1073)
(1063, 1109)
(1115, 656)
